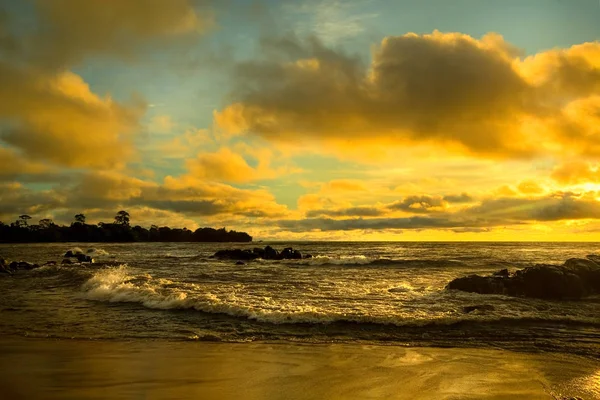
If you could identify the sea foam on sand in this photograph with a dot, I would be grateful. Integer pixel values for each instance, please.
(69, 369)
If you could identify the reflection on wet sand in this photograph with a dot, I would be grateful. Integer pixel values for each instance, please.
(44, 369)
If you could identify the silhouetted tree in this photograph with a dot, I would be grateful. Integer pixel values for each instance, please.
(48, 231)
(80, 218)
(46, 223)
(122, 218)
(23, 220)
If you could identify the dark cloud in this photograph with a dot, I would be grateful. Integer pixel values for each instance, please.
(420, 204)
(471, 95)
(458, 198)
(347, 212)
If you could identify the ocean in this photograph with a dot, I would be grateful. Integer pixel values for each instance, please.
(370, 293)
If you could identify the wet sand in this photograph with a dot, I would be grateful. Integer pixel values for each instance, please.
(52, 369)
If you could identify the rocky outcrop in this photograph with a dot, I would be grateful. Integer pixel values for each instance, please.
(576, 278)
(78, 254)
(268, 253)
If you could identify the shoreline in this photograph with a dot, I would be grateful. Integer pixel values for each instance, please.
(71, 369)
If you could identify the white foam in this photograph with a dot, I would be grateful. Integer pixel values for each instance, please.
(121, 285)
(97, 252)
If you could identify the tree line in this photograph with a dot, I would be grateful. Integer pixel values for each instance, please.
(21, 231)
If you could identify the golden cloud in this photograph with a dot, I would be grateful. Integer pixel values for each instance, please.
(56, 118)
(226, 165)
(13, 164)
(472, 95)
(576, 172)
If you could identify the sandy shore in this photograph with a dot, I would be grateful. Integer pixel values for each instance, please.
(48, 369)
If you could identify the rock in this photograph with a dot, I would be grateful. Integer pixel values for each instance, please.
(503, 273)
(50, 263)
(307, 256)
(259, 252)
(66, 261)
(271, 254)
(479, 307)
(287, 253)
(22, 265)
(290, 254)
(73, 253)
(479, 284)
(83, 258)
(268, 253)
(236, 254)
(575, 279)
(240, 263)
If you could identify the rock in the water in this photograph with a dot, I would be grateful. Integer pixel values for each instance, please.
(479, 284)
(290, 254)
(575, 279)
(66, 261)
(307, 256)
(22, 265)
(240, 263)
(83, 258)
(271, 254)
(236, 254)
(73, 253)
(258, 251)
(268, 253)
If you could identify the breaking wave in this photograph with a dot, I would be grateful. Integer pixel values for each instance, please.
(120, 285)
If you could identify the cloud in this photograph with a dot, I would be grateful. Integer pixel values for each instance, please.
(360, 211)
(330, 20)
(576, 172)
(48, 112)
(161, 124)
(458, 198)
(420, 204)
(70, 30)
(56, 118)
(15, 199)
(225, 165)
(346, 185)
(184, 194)
(13, 165)
(474, 96)
(530, 187)
(480, 217)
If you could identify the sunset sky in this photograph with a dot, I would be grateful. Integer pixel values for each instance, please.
(308, 119)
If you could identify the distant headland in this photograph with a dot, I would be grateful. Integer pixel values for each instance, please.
(46, 231)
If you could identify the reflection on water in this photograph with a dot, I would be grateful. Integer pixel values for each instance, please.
(160, 370)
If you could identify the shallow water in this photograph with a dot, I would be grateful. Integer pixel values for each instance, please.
(348, 293)
(51, 369)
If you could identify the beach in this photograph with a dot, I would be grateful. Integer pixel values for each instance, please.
(355, 321)
(58, 369)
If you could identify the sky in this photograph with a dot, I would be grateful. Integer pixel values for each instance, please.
(307, 119)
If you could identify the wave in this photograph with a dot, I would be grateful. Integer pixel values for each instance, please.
(97, 252)
(91, 251)
(361, 260)
(119, 285)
